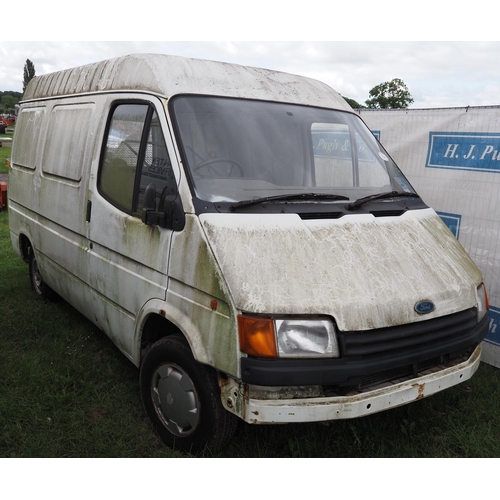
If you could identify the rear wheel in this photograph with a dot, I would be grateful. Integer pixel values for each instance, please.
(182, 398)
(37, 282)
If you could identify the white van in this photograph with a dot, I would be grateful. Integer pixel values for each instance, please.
(243, 239)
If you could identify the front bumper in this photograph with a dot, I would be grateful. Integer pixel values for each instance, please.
(239, 397)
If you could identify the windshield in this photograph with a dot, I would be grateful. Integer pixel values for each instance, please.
(238, 150)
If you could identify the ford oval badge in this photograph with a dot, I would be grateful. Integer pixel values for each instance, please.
(424, 307)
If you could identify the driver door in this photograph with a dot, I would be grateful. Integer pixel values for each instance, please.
(128, 259)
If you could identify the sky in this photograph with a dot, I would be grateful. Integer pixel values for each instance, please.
(438, 73)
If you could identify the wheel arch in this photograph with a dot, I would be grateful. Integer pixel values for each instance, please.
(25, 245)
(155, 324)
(155, 327)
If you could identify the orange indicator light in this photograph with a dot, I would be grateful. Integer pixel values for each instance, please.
(257, 336)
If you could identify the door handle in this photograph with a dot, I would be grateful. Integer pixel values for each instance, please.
(89, 211)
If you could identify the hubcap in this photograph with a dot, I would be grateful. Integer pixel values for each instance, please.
(175, 399)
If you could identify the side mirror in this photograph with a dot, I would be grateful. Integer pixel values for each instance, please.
(170, 214)
(149, 213)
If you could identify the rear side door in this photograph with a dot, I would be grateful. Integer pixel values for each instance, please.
(128, 259)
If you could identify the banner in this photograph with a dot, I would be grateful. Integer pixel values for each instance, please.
(451, 156)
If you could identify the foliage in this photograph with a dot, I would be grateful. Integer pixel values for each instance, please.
(390, 95)
(29, 73)
(7, 104)
(12, 93)
(353, 103)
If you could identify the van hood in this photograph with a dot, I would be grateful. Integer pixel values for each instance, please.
(365, 272)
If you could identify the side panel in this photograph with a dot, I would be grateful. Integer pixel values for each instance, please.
(64, 170)
(50, 168)
(22, 192)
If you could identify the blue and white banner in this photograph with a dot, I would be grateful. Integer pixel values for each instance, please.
(464, 151)
(494, 333)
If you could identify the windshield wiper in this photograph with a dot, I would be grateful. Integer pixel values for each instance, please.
(286, 197)
(392, 194)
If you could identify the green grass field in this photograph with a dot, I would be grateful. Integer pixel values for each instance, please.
(66, 391)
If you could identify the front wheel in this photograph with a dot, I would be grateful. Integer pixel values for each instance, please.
(182, 398)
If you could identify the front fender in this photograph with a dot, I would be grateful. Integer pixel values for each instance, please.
(209, 326)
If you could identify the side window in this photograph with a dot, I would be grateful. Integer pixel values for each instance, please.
(66, 144)
(28, 128)
(135, 155)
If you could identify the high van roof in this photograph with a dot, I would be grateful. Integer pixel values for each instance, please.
(168, 75)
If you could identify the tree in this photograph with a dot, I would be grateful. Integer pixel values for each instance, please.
(390, 95)
(29, 73)
(8, 103)
(353, 103)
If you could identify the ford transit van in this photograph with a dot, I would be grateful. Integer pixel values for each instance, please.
(243, 239)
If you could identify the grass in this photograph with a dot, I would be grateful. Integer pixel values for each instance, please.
(4, 153)
(66, 391)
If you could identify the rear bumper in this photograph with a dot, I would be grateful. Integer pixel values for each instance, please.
(238, 398)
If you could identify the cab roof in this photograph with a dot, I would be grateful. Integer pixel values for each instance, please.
(168, 75)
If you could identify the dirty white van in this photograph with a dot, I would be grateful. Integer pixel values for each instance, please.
(243, 239)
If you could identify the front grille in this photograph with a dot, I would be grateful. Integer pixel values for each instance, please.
(430, 334)
(405, 351)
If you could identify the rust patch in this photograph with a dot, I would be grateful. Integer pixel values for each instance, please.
(233, 395)
(163, 313)
(421, 388)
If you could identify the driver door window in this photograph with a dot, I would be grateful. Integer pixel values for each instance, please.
(135, 155)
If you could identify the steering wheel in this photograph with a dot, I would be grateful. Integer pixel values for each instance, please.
(208, 163)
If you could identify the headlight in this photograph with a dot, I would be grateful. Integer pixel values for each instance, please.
(287, 338)
(482, 302)
(306, 338)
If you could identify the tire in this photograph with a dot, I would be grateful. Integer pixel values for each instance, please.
(37, 282)
(182, 398)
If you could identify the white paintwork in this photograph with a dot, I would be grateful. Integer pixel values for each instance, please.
(353, 268)
(170, 75)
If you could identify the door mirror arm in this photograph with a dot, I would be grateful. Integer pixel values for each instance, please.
(171, 209)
